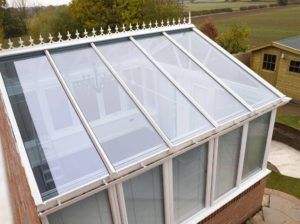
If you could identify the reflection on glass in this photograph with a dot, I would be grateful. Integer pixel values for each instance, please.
(144, 198)
(256, 145)
(221, 105)
(228, 161)
(175, 115)
(122, 130)
(189, 182)
(61, 154)
(247, 87)
(92, 210)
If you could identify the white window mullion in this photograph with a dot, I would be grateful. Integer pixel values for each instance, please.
(122, 204)
(44, 220)
(214, 173)
(168, 191)
(113, 200)
(242, 154)
(269, 139)
(209, 173)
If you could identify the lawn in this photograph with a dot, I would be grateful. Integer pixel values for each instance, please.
(283, 183)
(265, 25)
(292, 121)
(220, 5)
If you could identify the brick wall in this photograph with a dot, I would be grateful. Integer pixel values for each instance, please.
(24, 210)
(240, 208)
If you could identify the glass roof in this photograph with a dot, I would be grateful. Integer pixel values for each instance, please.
(133, 99)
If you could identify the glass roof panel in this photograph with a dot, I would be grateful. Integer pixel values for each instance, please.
(220, 104)
(246, 86)
(175, 115)
(122, 130)
(61, 154)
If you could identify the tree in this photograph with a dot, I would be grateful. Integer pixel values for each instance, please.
(236, 39)
(208, 27)
(282, 2)
(13, 23)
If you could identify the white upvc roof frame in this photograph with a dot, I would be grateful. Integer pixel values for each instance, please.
(132, 170)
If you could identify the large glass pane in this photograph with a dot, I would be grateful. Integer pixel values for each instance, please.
(227, 161)
(61, 154)
(256, 145)
(91, 210)
(144, 198)
(189, 182)
(122, 130)
(221, 105)
(175, 115)
(247, 87)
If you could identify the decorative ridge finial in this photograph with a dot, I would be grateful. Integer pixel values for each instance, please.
(23, 43)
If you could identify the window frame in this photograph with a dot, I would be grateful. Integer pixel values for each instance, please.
(294, 67)
(267, 61)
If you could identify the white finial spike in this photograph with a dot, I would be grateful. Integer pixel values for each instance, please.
(41, 39)
(184, 20)
(162, 23)
(1, 49)
(168, 22)
(144, 26)
(124, 28)
(59, 37)
(137, 26)
(85, 33)
(150, 25)
(94, 32)
(31, 41)
(101, 31)
(21, 42)
(174, 22)
(156, 24)
(77, 34)
(116, 29)
(50, 38)
(109, 30)
(190, 17)
(179, 21)
(130, 27)
(69, 35)
(10, 44)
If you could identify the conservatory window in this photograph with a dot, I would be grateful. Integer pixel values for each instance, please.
(124, 133)
(256, 145)
(189, 182)
(54, 155)
(232, 74)
(228, 152)
(144, 198)
(91, 210)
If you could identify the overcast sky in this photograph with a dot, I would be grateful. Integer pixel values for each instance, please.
(42, 2)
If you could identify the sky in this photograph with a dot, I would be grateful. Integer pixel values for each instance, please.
(43, 2)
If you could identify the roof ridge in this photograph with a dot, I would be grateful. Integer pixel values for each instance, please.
(21, 43)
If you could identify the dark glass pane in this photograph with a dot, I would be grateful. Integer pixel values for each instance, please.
(61, 154)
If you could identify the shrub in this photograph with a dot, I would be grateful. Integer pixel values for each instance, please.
(208, 27)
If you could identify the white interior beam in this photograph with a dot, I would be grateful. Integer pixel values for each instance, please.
(122, 203)
(133, 97)
(81, 116)
(242, 154)
(168, 191)
(218, 80)
(176, 84)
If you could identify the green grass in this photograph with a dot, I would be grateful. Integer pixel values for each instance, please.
(292, 121)
(266, 26)
(218, 5)
(283, 183)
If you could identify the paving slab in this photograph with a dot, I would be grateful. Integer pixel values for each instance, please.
(285, 158)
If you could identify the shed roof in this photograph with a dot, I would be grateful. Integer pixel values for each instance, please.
(91, 110)
(292, 42)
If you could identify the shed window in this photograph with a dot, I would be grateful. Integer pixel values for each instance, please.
(227, 161)
(269, 62)
(189, 178)
(256, 145)
(92, 210)
(295, 66)
(144, 198)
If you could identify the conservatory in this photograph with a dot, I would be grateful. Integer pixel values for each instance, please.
(148, 124)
